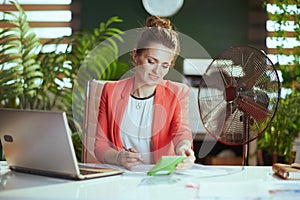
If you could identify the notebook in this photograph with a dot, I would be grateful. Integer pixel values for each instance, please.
(39, 142)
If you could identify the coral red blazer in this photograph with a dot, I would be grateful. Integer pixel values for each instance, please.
(170, 120)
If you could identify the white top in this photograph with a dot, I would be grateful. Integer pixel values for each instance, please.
(136, 127)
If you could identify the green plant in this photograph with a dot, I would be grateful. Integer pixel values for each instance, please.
(32, 79)
(278, 139)
(94, 55)
(20, 75)
(284, 129)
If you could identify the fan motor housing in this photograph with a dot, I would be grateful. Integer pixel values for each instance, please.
(230, 93)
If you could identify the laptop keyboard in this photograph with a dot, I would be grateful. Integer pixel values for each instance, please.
(86, 171)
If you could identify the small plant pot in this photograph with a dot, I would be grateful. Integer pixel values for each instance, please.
(265, 159)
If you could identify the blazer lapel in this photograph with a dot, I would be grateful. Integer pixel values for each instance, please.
(120, 98)
(159, 116)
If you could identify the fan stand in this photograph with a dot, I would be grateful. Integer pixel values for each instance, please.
(246, 121)
(231, 94)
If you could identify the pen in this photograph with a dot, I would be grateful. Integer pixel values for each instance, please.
(129, 150)
(125, 148)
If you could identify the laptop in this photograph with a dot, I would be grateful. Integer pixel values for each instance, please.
(39, 142)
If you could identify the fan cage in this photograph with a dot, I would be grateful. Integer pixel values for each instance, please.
(238, 95)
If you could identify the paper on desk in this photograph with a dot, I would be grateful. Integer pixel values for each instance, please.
(198, 170)
(136, 170)
(4, 168)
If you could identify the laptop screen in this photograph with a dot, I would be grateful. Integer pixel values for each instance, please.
(37, 140)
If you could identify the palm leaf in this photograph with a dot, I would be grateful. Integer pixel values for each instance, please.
(33, 77)
(93, 53)
(18, 49)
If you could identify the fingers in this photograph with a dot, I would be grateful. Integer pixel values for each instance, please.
(133, 150)
(182, 150)
(188, 152)
(188, 161)
(130, 159)
(130, 165)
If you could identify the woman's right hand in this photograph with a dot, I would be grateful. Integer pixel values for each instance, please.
(129, 159)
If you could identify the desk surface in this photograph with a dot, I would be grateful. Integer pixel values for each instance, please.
(201, 182)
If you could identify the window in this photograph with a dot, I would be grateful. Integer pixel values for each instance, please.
(283, 42)
(48, 19)
(282, 34)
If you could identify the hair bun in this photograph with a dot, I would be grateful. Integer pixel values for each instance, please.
(155, 21)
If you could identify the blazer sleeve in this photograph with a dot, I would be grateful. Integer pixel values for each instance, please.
(102, 142)
(180, 126)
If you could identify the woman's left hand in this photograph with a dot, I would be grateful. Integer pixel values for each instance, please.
(188, 161)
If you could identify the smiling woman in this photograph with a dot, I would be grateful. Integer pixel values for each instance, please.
(152, 65)
(145, 113)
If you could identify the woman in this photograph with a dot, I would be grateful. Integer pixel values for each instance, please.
(144, 117)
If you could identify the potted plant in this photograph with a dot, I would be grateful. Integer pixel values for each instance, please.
(31, 78)
(276, 144)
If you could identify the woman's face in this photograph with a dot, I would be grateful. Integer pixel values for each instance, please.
(153, 64)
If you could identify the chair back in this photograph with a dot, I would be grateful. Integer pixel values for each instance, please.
(93, 96)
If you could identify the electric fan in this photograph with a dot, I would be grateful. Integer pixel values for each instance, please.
(238, 96)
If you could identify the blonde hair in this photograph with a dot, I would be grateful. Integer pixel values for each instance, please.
(159, 30)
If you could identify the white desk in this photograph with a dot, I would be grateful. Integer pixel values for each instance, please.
(248, 183)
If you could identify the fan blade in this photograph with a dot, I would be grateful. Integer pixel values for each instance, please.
(254, 109)
(232, 133)
(254, 68)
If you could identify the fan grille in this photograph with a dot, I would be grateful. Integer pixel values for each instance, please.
(239, 95)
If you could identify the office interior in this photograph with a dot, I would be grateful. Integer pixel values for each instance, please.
(215, 25)
(221, 170)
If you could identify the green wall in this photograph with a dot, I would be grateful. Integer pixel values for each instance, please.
(216, 25)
